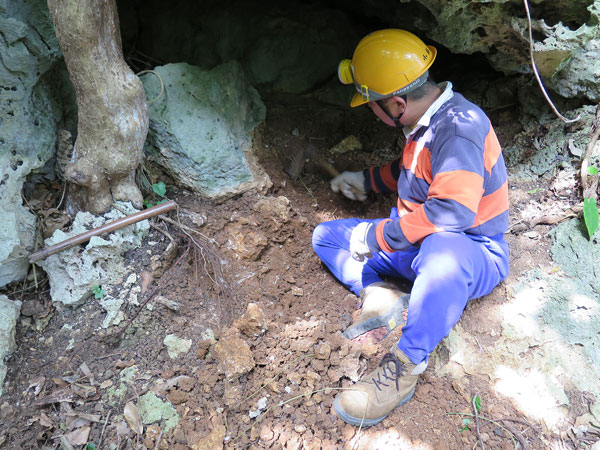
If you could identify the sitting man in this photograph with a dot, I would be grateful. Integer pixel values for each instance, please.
(446, 234)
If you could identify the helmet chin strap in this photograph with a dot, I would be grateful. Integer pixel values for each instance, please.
(396, 120)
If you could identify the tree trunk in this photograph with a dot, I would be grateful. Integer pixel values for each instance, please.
(112, 108)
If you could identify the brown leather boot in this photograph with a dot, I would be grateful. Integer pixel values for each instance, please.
(374, 396)
(383, 304)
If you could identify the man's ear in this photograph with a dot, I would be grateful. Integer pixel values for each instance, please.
(399, 101)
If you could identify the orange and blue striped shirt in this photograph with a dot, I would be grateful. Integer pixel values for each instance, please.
(451, 177)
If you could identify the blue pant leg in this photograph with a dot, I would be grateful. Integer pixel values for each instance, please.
(331, 242)
(451, 269)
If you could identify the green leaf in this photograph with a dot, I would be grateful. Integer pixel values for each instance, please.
(590, 215)
(98, 292)
(91, 446)
(535, 191)
(478, 403)
(159, 189)
(592, 170)
(466, 421)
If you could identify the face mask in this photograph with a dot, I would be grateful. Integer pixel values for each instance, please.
(379, 112)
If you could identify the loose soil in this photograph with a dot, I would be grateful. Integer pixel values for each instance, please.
(253, 249)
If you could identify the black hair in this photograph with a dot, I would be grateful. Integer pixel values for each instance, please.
(423, 90)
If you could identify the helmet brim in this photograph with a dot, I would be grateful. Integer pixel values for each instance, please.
(357, 100)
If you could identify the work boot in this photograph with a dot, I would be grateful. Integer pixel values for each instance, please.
(383, 304)
(375, 395)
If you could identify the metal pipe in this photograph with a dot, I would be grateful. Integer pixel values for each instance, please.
(104, 229)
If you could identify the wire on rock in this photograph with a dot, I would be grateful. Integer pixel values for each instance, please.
(162, 84)
(537, 75)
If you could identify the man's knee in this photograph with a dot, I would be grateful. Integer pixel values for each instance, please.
(444, 254)
(318, 236)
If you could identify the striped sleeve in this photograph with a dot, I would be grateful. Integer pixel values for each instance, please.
(383, 179)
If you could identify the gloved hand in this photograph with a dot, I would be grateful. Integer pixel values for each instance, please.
(358, 241)
(351, 184)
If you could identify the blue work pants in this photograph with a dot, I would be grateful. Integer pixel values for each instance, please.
(447, 270)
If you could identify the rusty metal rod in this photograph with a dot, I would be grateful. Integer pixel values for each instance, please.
(104, 229)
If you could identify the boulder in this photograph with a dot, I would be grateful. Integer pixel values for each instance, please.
(200, 128)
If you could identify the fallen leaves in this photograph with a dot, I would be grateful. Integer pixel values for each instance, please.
(133, 418)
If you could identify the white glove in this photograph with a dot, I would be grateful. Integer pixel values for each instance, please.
(358, 242)
(351, 184)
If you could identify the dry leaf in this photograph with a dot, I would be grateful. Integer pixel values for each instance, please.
(43, 419)
(87, 372)
(121, 428)
(60, 382)
(79, 436)
(75, 422)
(65, 444)
(123, 364)
(36, 384)
(58, 396)
(133, 418)
(175, 382)
(88, 417)
(83, 391)
(105, 384)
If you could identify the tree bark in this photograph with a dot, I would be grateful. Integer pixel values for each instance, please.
(112, 109)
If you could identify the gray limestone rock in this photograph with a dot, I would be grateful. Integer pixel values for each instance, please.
(9, 313)
(200, 128)
(74, 272)
(28, 116)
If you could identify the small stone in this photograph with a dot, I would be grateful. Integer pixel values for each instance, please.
(176, 346)
(234, 356)
(131, 279)
(297, 291)
(347, 144)
(300, 428)
(254, 321)
(323, 351)
(203, 348)
(262, 403)
(178, 397)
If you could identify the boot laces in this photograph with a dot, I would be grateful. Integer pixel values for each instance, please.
(392, 370)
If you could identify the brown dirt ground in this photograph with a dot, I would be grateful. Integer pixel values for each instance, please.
(265, 255)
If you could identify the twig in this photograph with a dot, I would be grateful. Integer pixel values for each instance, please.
(516, 434)
(108, 356)
(477, 420)
(537, 75)
(510, 433)
(308, 190)
(62, 197)
(521, 421)
(103, 429)
(183, 227)
(158, 440)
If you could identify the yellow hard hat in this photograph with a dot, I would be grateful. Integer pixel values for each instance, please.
(386, 63)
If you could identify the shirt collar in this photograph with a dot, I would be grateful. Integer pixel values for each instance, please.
(433, 108)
